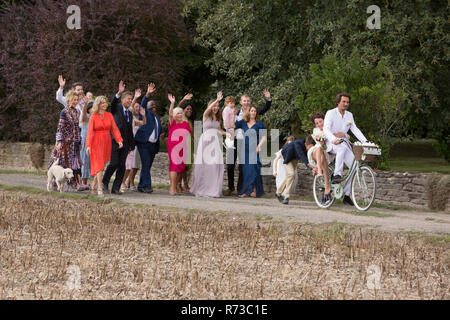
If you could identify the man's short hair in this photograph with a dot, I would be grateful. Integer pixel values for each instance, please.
(317, 115)
(309, 140)
(76, 84)
(340, 95)
(125, 94)
(246, 96)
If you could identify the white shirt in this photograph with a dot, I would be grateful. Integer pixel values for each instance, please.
(239, 133)
(153, 138)
(334, 122)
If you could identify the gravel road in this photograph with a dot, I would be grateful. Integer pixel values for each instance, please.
(437, 223)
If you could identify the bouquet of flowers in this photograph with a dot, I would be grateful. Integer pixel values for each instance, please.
(318, 135)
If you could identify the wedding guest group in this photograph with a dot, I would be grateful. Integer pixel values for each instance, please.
(97, 144)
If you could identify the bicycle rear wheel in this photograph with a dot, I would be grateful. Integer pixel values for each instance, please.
(318, 191)
(363, 188)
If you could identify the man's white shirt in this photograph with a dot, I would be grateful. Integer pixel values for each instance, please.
(153, 138)
(334, 122)
(239, 132)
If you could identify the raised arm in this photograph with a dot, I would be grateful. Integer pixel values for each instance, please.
(59, 94)
(185, 98)
(172, 104)
(115, 100)
(267, 104)
(210, 106)
(150, 89)
(137, 94)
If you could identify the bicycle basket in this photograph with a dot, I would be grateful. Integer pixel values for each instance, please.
(366, 153)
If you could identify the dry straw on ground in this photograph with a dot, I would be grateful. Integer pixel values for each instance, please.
(126, 252)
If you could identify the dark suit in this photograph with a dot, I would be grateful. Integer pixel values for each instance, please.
(147, 149)
(295, 150)
(119, 155)
(230, 167)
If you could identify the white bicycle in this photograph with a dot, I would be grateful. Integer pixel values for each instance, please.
(363, 185)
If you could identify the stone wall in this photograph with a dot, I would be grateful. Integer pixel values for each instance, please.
(18, 156)
(399, 188)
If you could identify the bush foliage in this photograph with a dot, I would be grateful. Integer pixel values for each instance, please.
(137, 41)
(377, 105)
(258, 43)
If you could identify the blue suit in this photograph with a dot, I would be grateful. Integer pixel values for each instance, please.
(295, 150)
(147, 150)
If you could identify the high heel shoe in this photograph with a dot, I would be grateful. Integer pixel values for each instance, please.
(325, 198)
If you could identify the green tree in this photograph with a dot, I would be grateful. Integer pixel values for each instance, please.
(376, 103)
(271, 44)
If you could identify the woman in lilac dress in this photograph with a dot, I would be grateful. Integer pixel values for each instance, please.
(208, 162)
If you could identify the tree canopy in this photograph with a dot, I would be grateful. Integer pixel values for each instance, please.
(246, 45)
(137, 41)
(258, 44)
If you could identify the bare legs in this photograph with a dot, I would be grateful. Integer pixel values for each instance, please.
(322, 167)
(184, 178)
(124, 180)
(132, 176)
(98, 181)
(175, 178)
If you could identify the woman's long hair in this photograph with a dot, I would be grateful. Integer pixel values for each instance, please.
(218, 114)
(97, 101)
(246, 116)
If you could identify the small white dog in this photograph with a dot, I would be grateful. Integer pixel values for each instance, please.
(58, 174)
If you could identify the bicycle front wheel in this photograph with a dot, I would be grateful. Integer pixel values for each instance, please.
(318, 191)
(363, 188)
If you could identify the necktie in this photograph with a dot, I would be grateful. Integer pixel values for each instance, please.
(126, 116)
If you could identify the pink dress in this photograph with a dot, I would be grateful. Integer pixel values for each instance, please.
(177, 144)
(133, 159)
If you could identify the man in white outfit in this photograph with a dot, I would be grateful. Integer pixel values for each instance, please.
(336, 124)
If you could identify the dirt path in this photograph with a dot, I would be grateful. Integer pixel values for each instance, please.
(437, 223)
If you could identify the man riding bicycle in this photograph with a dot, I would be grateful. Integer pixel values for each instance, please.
(336, 124)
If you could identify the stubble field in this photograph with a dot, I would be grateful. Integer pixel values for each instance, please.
(54, 248)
